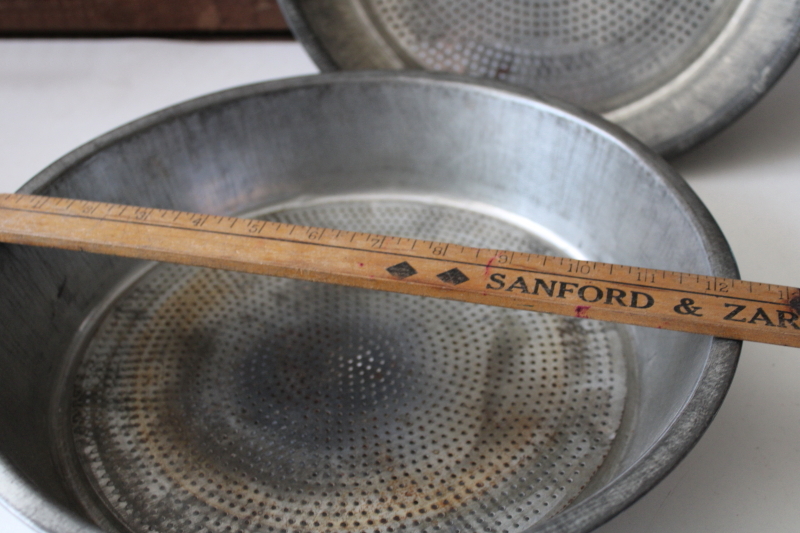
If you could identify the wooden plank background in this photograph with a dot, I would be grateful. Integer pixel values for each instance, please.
(140, 17)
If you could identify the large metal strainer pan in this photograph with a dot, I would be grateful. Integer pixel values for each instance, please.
(175, 399)
(672, 72)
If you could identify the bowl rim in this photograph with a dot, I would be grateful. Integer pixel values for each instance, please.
(21, 498)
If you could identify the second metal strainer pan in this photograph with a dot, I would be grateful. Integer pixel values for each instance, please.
(166, 398)
(671, 72)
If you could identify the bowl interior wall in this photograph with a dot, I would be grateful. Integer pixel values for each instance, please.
(255, 147)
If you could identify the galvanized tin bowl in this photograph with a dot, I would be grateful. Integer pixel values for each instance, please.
(141, 397)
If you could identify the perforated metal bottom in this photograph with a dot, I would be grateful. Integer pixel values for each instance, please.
(596, 53)
(223, 402)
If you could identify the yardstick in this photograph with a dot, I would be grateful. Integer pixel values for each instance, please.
(646, 297)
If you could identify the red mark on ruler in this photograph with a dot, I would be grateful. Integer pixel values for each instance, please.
(489, 265)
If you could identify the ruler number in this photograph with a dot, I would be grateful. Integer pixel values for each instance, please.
(718, 286)
(255, 226)
(579, 268)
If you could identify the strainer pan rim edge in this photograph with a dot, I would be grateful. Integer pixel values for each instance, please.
(671, 448)
(746, 85)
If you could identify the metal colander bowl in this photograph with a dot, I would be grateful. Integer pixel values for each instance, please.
(672, 72)
(175, 399)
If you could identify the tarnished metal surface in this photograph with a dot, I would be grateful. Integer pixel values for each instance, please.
(219, 401)
(459, 158)
(670, 71)
(599, 54)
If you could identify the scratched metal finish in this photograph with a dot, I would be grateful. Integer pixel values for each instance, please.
(671, 72)
(219, 401)
(481, 145)
(597, 54)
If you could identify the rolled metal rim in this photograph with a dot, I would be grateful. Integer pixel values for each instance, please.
(25, 501)
(747, 57)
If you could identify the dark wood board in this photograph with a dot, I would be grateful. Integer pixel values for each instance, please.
(140, 17)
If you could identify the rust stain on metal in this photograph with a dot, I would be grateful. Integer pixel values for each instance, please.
(406, 488)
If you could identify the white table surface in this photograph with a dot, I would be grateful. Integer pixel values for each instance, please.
(744, 474)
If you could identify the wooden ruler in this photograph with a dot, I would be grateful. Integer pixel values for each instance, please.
(646, 297)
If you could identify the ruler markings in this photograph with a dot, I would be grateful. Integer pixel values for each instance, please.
(700, 292)
(569, 281)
